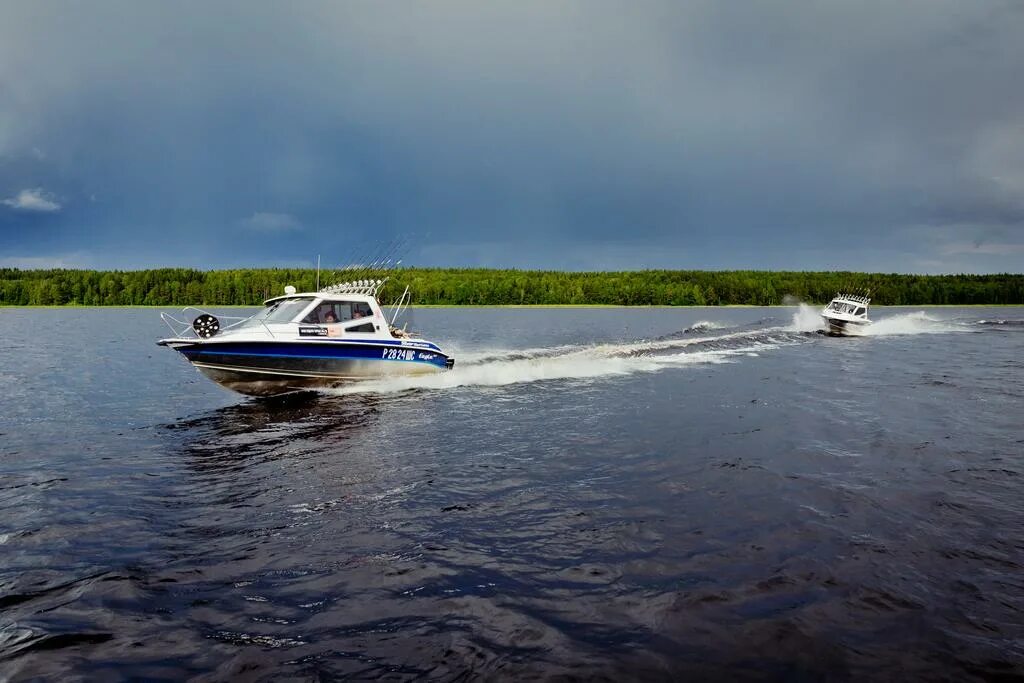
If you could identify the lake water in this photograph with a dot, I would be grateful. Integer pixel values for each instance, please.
(609, 494)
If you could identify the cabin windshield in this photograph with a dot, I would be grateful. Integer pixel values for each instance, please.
(280, 311)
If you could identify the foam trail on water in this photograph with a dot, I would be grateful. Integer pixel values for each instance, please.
(912, 323)
(491, 369)
(485, 355)
(502, 367)
(502, 373)
(707, 325)
(605, 350)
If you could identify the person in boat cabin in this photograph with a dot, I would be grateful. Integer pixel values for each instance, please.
(334, 313)
(330, 320)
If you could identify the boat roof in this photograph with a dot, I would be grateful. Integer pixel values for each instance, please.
(852, 298)
(357, 290)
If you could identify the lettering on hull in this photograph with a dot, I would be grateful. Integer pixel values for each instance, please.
(398, 354)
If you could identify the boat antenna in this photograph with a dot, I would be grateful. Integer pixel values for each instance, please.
(374, 263)
(317, 273)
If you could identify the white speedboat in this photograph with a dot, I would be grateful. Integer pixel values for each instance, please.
(304, 341)
(847, 315)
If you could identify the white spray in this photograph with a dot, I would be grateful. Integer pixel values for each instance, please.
(808, 318)
(503, 367)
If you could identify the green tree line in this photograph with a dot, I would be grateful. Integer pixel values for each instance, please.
(484, 287)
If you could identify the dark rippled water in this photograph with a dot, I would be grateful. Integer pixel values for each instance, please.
(599, 494)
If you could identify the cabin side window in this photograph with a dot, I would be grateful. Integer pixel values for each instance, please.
(329, 312)
(859, 311)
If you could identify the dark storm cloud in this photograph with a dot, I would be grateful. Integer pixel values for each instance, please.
(801, 135)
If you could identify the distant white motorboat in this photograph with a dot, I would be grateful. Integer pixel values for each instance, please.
(847, 315)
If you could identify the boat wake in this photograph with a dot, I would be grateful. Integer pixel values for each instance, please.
(705, 325)
(808, 319)
(700, 344)
(501, 367)
(912, 323)
(1001, 322)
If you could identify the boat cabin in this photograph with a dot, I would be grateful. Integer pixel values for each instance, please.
(332, 314)
(850, 305)
(850, 308)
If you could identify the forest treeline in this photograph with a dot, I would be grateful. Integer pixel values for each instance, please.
(182, 286)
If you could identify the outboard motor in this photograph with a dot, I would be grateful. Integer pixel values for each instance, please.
(206, 325)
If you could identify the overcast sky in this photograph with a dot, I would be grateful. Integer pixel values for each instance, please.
(878, 136)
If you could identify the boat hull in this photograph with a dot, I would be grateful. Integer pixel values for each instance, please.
(837, 327)
(273, 368)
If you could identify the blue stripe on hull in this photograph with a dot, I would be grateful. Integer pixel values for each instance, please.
(300, 351)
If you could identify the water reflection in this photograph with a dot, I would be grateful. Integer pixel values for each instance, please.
(253, 428)
(250, 476)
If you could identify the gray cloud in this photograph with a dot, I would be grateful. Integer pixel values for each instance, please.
(800, 135)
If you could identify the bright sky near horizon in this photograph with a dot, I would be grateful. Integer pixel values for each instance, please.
(863, 135)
